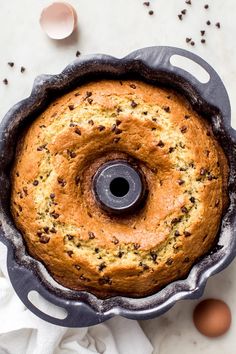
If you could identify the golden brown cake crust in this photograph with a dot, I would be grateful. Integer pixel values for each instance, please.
(54, 207)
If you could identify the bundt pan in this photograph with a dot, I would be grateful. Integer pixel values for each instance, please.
(152, 65)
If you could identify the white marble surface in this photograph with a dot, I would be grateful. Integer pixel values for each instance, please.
(116, 28)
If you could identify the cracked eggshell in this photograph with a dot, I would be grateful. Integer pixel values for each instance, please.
(58, 20)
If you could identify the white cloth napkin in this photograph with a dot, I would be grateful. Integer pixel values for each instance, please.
(21, 332)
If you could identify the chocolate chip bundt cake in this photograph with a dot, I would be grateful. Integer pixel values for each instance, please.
(170, 147)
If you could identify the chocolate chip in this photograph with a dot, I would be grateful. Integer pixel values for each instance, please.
(116, 140)
(96, 250)
(187, 233)
(206, 6)
(78, 131)
(54, 215)
(203, 171)
(133, 104)
(61, 181)
(166, 109)
(181, 181)
(77, 267)
(25, 190)
(146, 3)
(210, 177)
(171, 149)
(208, 23)
(91, 122)
(118, 122)
(218, 24)
(120, 254)
(105, 280)
(133, 86)
(101, 266)
(70, 237)
(192, 43)
(177, 233)
(77, 94)
(153, 256)
(77, 54)
(145, 113)
(203, 33)
(46, 229)
(70, 253)
(188, 40)
(184, 210)
(151, 12)
(22, 69)
(143, 265)
(192, 200)
(180, 17)
(169, 261)
(136, 246)
(183, 12)
(72, 154)
(183, 129)
(71, 107)
(115, 240)
(175, 221)
(203, 41)
(41, 147)
(35, 183)
(44, 239)
(91, 235)
(160, 144)
(53, 230)
(5, 81)
(11, 64)
(101, 128)
(117, 131)
(90, 100)
(188, 2)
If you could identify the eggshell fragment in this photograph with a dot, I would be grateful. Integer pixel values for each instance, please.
(212, 317)
(58, 20)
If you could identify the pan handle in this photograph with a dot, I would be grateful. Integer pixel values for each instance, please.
(213, 91)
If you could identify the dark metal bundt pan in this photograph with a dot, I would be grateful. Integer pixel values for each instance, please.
(152, 65)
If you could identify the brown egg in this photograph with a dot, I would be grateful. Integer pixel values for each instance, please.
(212, 317)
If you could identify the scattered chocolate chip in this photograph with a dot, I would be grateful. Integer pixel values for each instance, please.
(25, 190)
(77, 267)
(120, 254)
(160, 144)
(5, 81)
(192, 200)
(151, 12)
(169, 261)
(203, 33)
(90, 100)
(71, 107)
(203, 41)
(11, 64)
(206, 6)
(101, 266)
(46, 229)
(54, 215)
(61, 181)
(72, 154)
(35, 183)
(105, 280)
(203, 171)
(136, 246)
(171, 149)
(91, 122)
(101, 128)
(133, 86)
(218, 24)
(77, 131)
(116, 140)
(70, 253)
(115, 240)
(44, 239)
(180, 16)
(188, 2)
(41, 147)
(77, 54)
(187, 233)
(153, 256)
(183, 129)
(133, 104)
(208, 23)
(166, 109)
(70, 237)
(145, 113)
(53, 230)
(175, 221)
(143, 265)
(91, 235)
(146, 3)
(96, 250)
(177, 233)
(77, 94)
(181, 181)
(118, 122)
(188, 40)
(22, 69)
(183, 12)
(184, 210)
(192, 43)
(117, 131)
(210, 177)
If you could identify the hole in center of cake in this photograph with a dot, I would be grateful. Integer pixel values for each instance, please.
(119, 187)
